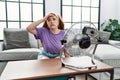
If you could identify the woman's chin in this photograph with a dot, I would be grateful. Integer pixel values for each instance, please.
(53, 27)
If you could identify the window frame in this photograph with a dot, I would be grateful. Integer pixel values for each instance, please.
(17, 21)
(71, 22)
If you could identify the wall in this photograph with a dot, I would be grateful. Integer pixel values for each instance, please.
(118, 9)
(53, 6)
(109, 9)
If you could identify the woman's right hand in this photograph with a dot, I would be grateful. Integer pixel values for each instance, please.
(46, 17)
(32, 27)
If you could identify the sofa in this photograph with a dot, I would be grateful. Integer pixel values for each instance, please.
(18, 44)
(109, 54)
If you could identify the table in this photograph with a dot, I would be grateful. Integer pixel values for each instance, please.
(45, 68)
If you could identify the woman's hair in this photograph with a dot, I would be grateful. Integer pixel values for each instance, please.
(61, 23)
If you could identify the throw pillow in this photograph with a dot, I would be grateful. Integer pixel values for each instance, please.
(16, 38)
(104, 37)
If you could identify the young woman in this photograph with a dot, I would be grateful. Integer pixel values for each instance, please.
(50, 35)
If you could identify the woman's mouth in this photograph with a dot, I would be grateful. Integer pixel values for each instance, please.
(52, 25)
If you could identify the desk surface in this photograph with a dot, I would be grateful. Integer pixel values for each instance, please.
(31, 69)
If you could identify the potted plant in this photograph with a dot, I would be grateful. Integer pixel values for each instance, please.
(113, 26)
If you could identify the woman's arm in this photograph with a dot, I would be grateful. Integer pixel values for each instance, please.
(32, 27)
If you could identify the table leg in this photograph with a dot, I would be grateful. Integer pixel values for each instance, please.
(86, 76)
(111, 74)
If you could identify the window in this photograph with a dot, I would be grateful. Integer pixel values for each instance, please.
(19, 13)
(74, 11)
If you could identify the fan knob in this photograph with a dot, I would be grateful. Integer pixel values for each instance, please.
(84, 42)
(63, 41)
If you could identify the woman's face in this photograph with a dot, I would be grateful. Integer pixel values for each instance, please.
(52, 21)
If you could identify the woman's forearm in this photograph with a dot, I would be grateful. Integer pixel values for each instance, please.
(32, 27)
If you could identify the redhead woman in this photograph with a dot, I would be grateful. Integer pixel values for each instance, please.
(50, 35)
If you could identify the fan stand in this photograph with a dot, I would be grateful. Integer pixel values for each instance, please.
(92, 59)
(71, 66)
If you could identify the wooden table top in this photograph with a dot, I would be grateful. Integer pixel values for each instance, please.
(31, 69)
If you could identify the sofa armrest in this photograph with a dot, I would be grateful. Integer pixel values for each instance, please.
(13, 56)
(1, 46)
(115, 43)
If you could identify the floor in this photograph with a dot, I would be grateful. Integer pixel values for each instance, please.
(82, 77)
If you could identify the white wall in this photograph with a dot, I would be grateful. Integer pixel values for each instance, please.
(118, 9)
(52, 6)
(110, 9)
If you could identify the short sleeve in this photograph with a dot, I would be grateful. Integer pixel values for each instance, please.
(39, 33)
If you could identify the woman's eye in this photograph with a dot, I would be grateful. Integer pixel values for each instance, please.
(54, 19)
(49, 20)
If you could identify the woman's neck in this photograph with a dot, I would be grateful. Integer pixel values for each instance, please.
(55, 31)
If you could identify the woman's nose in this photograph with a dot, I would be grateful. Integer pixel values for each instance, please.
(51, 21)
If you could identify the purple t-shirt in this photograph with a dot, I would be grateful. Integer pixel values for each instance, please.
(51, 42)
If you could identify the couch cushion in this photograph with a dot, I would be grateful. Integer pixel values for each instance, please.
(115, 43)
(33, 42)
(16, 38)
(108, 54)
(19, 54)
(23, 50)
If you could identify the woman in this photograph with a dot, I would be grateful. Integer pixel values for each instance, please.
(50, 35)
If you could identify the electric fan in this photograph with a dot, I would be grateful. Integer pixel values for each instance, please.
(78, 41)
